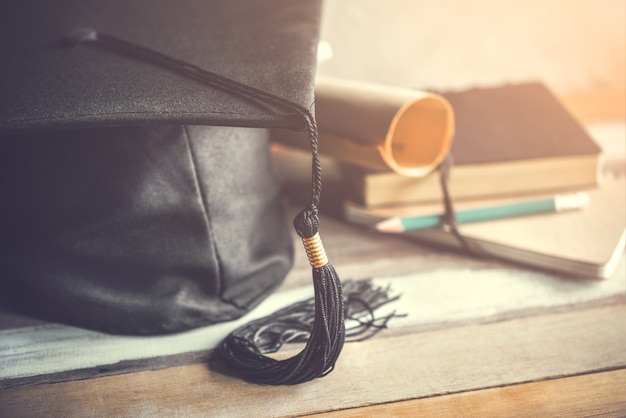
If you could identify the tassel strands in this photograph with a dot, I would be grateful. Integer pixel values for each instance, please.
(320, 353)
(294, 323)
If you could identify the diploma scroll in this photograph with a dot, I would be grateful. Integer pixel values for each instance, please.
(382, 127)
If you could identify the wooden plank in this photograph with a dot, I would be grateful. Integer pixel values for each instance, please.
(413, 366)
(430, 299)
(598, 394)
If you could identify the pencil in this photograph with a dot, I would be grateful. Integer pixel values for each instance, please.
(555, 203)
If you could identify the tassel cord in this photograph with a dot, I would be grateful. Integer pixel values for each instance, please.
(109, 43)
(90, 37)
(260, 97)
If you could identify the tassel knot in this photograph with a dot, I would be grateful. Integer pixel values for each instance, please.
(307, 222)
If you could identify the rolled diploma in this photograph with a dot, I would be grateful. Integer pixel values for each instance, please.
(382, 127)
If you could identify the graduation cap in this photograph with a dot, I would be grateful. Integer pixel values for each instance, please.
(138, 195)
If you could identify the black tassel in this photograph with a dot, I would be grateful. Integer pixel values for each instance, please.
(244, 349)
(328, 334)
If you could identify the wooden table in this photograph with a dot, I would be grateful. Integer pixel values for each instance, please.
(483, 338)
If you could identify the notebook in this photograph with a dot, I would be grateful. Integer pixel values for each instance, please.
(587, 242)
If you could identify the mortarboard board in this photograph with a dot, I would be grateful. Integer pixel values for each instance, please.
(128, 206)
(267, 45)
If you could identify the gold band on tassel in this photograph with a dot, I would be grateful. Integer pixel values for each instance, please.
(315, 251)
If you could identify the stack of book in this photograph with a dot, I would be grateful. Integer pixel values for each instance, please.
(525, 183)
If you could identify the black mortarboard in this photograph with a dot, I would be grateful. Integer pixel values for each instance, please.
(267, 45)
(120, 211)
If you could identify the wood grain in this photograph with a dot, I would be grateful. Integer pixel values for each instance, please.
(418, 365)
(598, 394)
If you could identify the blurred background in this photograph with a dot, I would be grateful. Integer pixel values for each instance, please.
(571, 45)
